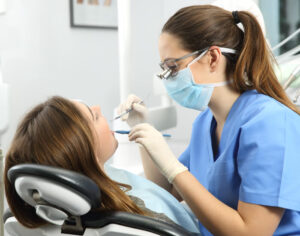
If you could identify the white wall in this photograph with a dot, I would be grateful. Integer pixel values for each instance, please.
(43, 56)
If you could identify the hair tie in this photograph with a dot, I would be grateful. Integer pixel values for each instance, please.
(236, 17)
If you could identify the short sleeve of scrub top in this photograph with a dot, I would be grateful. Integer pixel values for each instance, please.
(268, 159)
(258, 158)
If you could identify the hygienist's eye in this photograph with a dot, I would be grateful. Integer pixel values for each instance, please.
(169, 64)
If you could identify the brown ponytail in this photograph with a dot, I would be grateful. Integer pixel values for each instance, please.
(256, 60)
(199, 27)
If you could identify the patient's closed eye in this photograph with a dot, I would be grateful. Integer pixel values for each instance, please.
(96, 112)
(96, 115)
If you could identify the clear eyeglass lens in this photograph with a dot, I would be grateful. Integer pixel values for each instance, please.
(169, 68)
(174, 73)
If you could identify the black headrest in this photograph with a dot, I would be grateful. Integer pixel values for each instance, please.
(86, 187)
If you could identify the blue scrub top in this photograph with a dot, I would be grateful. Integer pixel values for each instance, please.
(258, 157)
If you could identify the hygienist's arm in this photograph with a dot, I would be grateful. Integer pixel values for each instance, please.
(216, 216)
(220, 219)
(152, 173)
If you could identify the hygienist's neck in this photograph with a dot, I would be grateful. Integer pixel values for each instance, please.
(221, 102)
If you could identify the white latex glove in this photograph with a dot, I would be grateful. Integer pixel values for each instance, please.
(137, 115)
(155, 144)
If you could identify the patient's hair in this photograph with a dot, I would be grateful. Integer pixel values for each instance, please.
(56, 133)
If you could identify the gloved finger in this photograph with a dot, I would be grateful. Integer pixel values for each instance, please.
(140, 141)
(121, 108)
(138, 127)
(135, 135)
(127, 104)
(139, 108)
(143, 142)
(134, 98)
(130, 100)
(125, 117)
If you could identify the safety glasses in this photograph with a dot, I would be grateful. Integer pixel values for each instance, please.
(170, 66)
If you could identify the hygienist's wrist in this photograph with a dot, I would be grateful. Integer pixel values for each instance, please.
(175, 171)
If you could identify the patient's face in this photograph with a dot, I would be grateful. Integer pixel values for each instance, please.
(106, 142)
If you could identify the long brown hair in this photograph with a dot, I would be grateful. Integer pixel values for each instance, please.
(203, 26)
(56, 133)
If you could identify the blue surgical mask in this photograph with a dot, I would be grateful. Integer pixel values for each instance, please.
(186, 92)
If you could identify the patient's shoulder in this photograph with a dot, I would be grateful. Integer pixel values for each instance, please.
(159, 216)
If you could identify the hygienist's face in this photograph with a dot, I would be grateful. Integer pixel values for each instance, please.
(170, 48)
(106, 143)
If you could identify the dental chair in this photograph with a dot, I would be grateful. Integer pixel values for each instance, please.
(65, 199)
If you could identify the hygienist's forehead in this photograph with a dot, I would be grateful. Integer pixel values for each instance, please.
(169, 47)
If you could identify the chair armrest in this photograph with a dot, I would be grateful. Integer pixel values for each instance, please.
(101, 219)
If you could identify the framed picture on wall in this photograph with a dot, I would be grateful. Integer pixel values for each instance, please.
(94, 13)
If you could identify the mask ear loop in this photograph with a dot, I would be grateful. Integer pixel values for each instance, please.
(225, 50)
(197, 58)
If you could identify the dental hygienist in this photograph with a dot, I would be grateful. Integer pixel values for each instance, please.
(240, 173)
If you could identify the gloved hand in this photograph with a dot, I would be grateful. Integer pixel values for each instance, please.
(137, 115)
(155, 144)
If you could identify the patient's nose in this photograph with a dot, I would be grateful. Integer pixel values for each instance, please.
(96, 108)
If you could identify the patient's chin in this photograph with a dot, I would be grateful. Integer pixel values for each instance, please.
(114, 148)
(116, 145)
